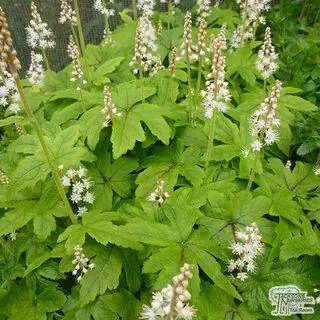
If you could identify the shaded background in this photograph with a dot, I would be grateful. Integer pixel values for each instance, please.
(19, 14)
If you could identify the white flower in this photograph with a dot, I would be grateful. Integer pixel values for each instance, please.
(78, 187)
(14, 107)
(203, 8)
(242, 276)
(74, 54)
(146, 6)
(102, 7)
(187, 49)
(109, 110)
(71, 173)
(88, 197)
(86, 183)
(66, 181)
(82, 211)
(187, 312)
(263, 121)
(247, 248)
(317, 170)
(13, 235)
(232, 265)
(256, 146)
(216, 96)
(3, 178)
(81, 172)
(82, 264)
(4, 91)
(251, 267)
(76, 197)
(67, 14)
(159, 194)
(251, 13)
(38, 33)
(245, 152)
(172, 299)
(147, 313)
(266, 62)
(36, 71)
(145, 58)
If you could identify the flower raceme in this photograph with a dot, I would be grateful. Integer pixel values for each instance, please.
(159, 194)
(103, 9)
(3, 178)
(203, 8)
(251, 13)
(187, 48)
(216, 96)
(251, 10)
(172, 301)
(67, 14)
(38, 33)
(263, 122)
(108, 12)
(109, 110)
(8, 54)
(74, 54)
(173, 61)
(146, 6)
(247, 247)
(176, 2)
(36, 71)
(80, 185)
(201, 44)
(145, 58)
(82, 264)
(9, 96)
(267, 58)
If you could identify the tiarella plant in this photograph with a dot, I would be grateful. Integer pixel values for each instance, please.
(167, 173)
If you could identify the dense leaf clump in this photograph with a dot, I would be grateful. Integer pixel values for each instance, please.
(162, 181)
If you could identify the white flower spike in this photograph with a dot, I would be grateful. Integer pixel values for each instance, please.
(267, 58)
(39, 35)
(172, 301)
(247, 247)
(82, 264)
(80, 184)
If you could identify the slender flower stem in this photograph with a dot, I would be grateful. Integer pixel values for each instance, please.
(45, 149)
(189, 82)
(210, 140)
(75, 35)
(79, 26)
(172, 88)
(142, 84)
(281, 8)
(317, 17)
(45, 59)
(169, 13)
(81, 39)
(134, 9)
(198, 90)
(252, 171)
(305, 5)
(199, 76)
(244, 22)
(265, 87)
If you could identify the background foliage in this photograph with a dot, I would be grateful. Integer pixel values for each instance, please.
(136, 245)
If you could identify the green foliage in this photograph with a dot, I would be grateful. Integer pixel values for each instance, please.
(138, 245)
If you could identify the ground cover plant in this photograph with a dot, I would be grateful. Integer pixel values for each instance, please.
(171, 172)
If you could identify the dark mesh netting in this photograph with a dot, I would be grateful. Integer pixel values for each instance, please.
(18, 15)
